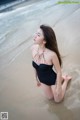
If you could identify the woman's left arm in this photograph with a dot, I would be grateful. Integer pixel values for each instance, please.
(57, 67)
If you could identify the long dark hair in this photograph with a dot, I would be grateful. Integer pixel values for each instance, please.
(51, 42)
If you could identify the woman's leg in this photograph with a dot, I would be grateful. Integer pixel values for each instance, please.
(64, 85)
(47, 90)
(59, 98)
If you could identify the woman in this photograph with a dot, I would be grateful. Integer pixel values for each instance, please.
(45, 56)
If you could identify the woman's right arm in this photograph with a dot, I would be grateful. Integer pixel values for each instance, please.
(36, 76)
(33, 47)
(35, 72)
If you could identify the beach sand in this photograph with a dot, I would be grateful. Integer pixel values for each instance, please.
(19, 95)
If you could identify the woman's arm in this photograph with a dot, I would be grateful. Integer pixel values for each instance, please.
(35, 72)
(33, 47)
(36, 76)
(58, 69)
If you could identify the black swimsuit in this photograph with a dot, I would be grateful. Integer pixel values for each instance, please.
(45, 73)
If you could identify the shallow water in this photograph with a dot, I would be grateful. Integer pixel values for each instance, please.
(16, 32)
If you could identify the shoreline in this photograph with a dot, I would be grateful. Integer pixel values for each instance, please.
(18, 5)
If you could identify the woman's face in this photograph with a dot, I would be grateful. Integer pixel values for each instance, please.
(39, 37)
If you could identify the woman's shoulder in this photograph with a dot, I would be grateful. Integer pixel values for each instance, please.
(52, 53)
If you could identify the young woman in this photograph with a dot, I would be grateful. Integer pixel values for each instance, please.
(46, 56)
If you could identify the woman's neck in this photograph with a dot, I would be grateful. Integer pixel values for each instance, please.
(41, 47)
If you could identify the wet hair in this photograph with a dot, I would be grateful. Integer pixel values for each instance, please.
(51, 42)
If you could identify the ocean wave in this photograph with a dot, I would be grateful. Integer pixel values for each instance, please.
(8, 6)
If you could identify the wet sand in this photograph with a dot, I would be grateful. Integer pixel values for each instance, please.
(22, 99)
(19, 95)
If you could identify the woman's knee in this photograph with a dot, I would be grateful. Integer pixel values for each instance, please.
(49, 95)
(58, 99)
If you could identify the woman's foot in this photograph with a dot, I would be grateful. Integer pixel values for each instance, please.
(66, 77)
(67, 80)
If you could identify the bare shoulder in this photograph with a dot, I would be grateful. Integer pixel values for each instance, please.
(54, 58)
(52, 53)
(51, 56)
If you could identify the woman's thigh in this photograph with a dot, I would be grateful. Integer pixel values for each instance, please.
(47, 90)
(57, 94)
